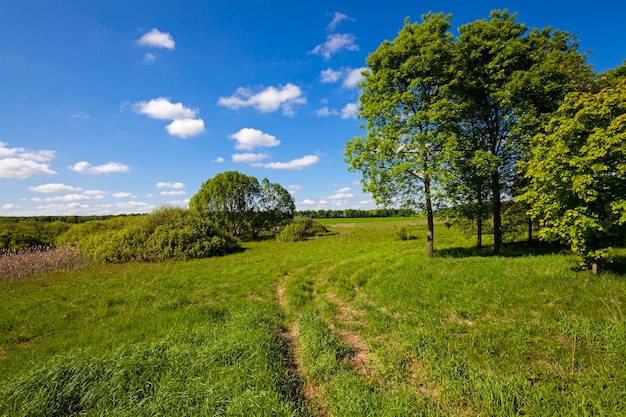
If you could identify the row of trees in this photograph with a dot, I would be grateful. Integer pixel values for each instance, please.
(460, 121)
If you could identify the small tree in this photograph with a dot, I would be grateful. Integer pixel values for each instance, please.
(238, 204)
(577, 173)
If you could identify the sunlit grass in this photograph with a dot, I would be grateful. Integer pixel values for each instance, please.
(378, 329)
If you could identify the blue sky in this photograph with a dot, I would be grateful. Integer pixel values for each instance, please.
(120, 106)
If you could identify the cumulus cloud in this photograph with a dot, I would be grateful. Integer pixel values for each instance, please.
(10, 206)
(248, 139)
(337, 19)
(185, 128)
(335, 43)
(249, 157)
(184, 122)
(329, 76)
(80, 115)
(308, 202)
(163, 108)
(265, 101)
(157, 39)
(149, 57)
(299, 163)
(53, 188)
(170, 185)
(173, 192)
(20, 163)
(123, 195)
(325, 111)
(218, 160)
(353, 77)
(84, 167)
(349, 111)
(340, 196)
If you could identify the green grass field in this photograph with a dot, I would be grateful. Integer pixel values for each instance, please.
(354, 323)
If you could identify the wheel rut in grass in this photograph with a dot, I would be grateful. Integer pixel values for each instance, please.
(310, 391)
(350, 317)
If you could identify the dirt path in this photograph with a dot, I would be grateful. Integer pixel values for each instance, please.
(310, 391)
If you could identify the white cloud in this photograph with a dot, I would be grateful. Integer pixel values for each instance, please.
(335, 43)
(20, 163)
(308, 202)
(80, 115)
(157, 39)
(95, 193)
(53, 188)
(123, 195)
(135, 207)
(330, 76)
(248, 139)
(349, 111)
(10, 206)
(149, 57)
(184, 122)
(249, 157)
(170, 185)
(325, 111)
(218, 160)
(344, 190)
(185, 128)
(339, 196)
(18, 168)
(268, 100)
(299, 163)
(173, 192)
(84, 167)
(353, 77)
(294, 187)
(163, 108)
(337, 19)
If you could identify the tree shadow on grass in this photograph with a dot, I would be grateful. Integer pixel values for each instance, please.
(617, 266)
(508, 250)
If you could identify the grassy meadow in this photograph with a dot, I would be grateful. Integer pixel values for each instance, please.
(354, 323)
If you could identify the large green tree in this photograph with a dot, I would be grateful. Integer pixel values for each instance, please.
(238, 204)
(403, 103)
(577, 173)
(507, 81)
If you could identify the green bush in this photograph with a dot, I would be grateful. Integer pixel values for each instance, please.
(299, 229)
(167, 233)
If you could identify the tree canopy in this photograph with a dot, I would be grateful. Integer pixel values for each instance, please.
(577, 173)
(403, 102)
(238, 204)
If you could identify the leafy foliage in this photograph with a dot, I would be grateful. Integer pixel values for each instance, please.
(578, 173)
(403, 104)
(238, 204)
(299, 229)
(166, 233)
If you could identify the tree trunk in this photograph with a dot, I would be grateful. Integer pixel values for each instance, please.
(497, 212)
(530, 230)
(479, 220)
(430, 234)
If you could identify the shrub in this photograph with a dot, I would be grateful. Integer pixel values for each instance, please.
(300, 228)
(38, 260)
(167, 233)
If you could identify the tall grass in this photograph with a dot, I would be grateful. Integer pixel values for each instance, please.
(463, 334)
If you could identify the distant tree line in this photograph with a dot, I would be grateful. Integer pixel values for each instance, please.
(356, 213)
(228, 209)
